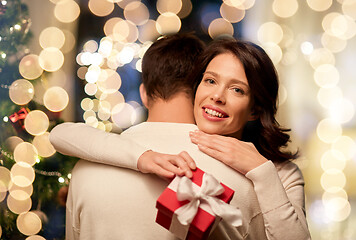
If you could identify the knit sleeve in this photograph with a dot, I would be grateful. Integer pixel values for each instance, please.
(280, 194)
(83, 141)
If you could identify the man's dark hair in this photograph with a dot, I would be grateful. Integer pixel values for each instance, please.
(167, 64)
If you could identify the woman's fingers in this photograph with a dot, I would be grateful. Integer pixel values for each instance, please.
(215, 142)
(166, 165)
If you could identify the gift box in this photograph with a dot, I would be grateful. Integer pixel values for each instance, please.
(18, 119)
(191, 208)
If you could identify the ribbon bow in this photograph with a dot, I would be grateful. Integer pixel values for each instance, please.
(207, 194)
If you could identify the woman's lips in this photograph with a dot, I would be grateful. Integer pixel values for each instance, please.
(213, 113)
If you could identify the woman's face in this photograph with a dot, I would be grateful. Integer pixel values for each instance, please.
(222, 101)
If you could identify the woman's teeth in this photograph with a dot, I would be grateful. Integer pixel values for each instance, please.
(213, 113)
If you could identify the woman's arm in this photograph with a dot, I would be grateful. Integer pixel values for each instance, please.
(280, 192)
(86, 142)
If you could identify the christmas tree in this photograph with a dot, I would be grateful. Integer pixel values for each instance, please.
(33, 177)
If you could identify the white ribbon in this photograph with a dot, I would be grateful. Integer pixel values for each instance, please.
(207, 194)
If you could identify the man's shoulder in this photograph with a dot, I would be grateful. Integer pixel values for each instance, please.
(167, 128)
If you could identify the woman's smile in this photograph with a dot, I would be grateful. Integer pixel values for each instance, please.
(222, 101)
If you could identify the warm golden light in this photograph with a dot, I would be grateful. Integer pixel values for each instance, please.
(285, 8)
(109, 81)
(123, 115)
(349, 8)
(22, 174)
(321, 56)
(137, 12)
(270, 32)
(21, 92)
(90, 89)
(18, 206)
(66, 11)
(333, 159)
(56, 99)
(328, 130)
(43, 145)
(341, 110)
(168, 23)
(231, 14)
(273, 51)
(172, 6)
(26, 152)
(346, 146)
(186, 9)
(12, 142)
(29, 223)
(326, 76)
(220, 27)
(51, 59)
(52, 37)
(319, 5)
(326, 96)
(70, 41)
(36, 122)
(148, 32)
(101, 8)
(29, 67)
(334, 44)
(332, 180)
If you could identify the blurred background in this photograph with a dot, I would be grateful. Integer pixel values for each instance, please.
(66, 60)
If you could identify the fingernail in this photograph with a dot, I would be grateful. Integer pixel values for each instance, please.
(189, 174)
(192, 165)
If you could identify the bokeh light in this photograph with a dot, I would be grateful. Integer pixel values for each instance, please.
(101, 8)
(172, 6)
(346, 146)
(29, 223)
(123, 115)
(270, 32)
(22, 174)
(51, 59)
(29, 67)
(333, 159)
(232, 14)
(319, 5)
(285, 8)
(55, 99)
(220, 27)
(18, 206)
(52, 37)
(66, 11)
(26, 152)
(332, 180)
(43, 145)
(168, 23)
(137, 12)
(326, 76)
(328, 130)
(21, 92)
(36, 122)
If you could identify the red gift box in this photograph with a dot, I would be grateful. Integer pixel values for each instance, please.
(204, 220)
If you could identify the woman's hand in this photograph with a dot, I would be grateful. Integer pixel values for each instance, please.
(239, 155)
(166, 165)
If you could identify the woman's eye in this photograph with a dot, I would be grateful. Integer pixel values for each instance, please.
(210, 81)
(239, 90)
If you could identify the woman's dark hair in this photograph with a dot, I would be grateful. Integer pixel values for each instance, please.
(265, 132)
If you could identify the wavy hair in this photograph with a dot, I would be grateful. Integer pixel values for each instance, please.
(265, 132)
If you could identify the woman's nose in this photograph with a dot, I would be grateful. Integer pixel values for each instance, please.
(218, 97)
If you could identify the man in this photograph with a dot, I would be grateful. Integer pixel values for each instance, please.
(106, 202)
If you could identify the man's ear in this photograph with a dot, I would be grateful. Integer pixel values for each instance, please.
(143, 95)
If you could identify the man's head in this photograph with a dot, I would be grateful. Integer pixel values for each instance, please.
(167, 64)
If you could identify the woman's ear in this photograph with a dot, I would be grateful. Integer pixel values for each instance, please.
(143, 95)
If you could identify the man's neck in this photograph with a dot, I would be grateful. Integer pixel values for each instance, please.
(178, 109)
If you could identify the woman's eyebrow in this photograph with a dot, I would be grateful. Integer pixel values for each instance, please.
(234, 80)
